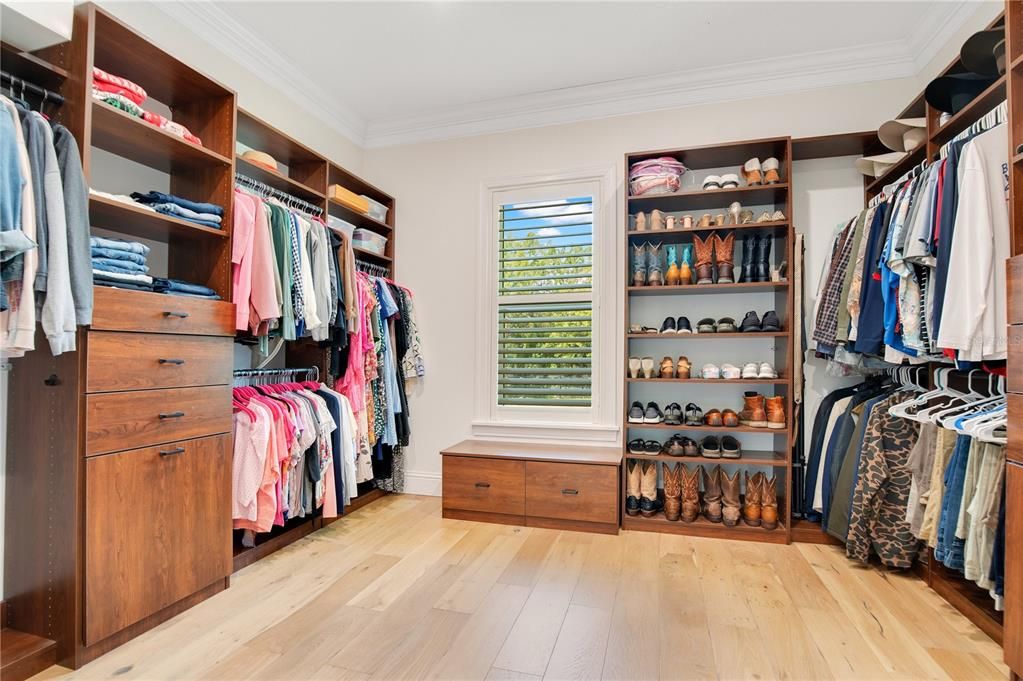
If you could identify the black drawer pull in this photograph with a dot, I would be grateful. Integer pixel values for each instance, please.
(483, 485)
(570, 491)
(172, 452)
(179, 362)
(179, 315)
(172, 415)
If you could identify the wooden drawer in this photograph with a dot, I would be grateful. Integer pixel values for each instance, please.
(157, 529)
(1013, 624)
(1014, 282)
(1014, 450)
(488, 485)
(119, 310)
(572, 491)
(117, 421)
(141, 361)
(1014, 365)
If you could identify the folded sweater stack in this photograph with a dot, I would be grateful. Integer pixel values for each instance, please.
(129, 97)
(206, 214)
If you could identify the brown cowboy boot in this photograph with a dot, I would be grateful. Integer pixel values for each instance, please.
(776, 412)
(704, 258)
(769, 502)
(730, 506)
(672, 491)
(751, 509)
(632, 487)
(753, 413)
(712, 493)
(724, 252)
(690, 493)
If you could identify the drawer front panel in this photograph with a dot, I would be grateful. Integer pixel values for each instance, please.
(1014, 366)
(118, 421)
(1014, 282)
(119, 310)
(157, 529)
(491, 485)
(142, 361)
(1014, 450)
(572, 491)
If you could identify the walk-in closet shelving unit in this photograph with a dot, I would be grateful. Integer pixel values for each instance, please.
(764, 449)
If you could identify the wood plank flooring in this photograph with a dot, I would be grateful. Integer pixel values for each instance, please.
(396, 592)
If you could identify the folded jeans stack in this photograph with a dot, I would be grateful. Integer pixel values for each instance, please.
(175, 287)
(120, 263)
(127, 96)
(206, 214)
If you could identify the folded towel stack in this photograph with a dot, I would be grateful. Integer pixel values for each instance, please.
(120, 263)
(206, 214)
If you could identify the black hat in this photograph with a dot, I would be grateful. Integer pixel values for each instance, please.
(984, 53)
(953, 92)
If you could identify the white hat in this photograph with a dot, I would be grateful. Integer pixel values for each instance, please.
(903, 134)
(876, 166)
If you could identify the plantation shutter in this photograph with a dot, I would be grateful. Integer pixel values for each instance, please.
(545, 301)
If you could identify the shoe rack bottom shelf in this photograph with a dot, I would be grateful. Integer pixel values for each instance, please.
(701, 527)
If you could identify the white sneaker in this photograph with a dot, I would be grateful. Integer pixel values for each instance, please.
(730, 371)
(766, 371)
(634, 367)
(750, 370)
(710, 371)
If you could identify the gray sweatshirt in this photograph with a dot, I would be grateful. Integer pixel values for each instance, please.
(76, 210)
(58, 311)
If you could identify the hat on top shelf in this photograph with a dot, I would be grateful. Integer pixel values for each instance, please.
(984, 53)
(903, 134)
(261, 159)
(876, 166)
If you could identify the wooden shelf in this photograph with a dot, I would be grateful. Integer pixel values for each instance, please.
(831, 146)
(338, 209)
(32, 68)
(719, 155)
(699, 199)
(259, 135)
(370, 254)
(781, 380)
(131, 137)
(352, 182)
(1016, 63)
(145, 224)
(660, 234)
(747, 458)
(981, 104)
(1018, 158)
(709, 336)
(719, 430)
(279, 181)
(702, 527)
(915, 157)
(748, 287)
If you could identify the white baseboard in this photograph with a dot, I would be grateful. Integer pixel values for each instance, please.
(422, 483)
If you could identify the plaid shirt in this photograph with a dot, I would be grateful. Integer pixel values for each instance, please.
(826, 324)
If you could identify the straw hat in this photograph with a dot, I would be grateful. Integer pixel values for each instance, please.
(903, 134)
(261, 159)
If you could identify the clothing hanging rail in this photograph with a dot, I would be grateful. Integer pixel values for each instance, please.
(371, 268)
(268, 191)
(993, 118)
(16, 83)
(263, 376)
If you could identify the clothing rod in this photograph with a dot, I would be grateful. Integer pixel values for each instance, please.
(273, 192)
(285, 372)
(22, 84)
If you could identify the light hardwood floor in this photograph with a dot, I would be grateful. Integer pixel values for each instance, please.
(396, 592)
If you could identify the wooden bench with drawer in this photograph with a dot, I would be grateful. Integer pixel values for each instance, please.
(561, 487)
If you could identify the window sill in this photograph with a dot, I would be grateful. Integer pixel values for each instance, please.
(564, 433)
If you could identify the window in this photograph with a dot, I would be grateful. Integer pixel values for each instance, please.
(547, 308)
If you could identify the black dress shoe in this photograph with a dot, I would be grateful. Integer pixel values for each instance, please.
(682, 325)
(771, 322)
(668, 325)
(650, 507)
(750, 323)
(632, 505)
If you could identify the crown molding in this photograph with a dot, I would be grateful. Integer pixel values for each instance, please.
(938, 28)
(217, 28)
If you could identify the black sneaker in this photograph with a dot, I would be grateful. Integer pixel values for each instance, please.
(771, 322)
(650, 507)
(673, 414)
(636, 446)
(668, 325)
(730, 448)
(636, 412)
(750, 323)
(710, 447)
(653, 413)
(652, 447)
(682, 325)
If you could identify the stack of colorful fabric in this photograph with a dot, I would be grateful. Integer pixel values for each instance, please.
(120, 263)
(655, 176)
(127, 96)
(207, 214)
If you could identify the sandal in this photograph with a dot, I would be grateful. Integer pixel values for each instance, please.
(694, 415)
(652, 447)
(648, 367)
(687, 222)
(711, 182)
(734, 211)
(639, 222)
(746, 217)
(667, 368)
(673, 414)
(778, 216)
(764, 217)
(719, 221)
(683, 368)
(704, 221)
(669, 222)
(730, 181)
(706, 325)
(637, 446)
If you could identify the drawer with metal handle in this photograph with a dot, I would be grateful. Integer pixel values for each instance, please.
(119, 421)
(572, 491)
(487, 485)
(144, 361)
(118, 310)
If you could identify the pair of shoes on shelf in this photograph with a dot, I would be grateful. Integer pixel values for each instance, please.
(641, 486)
(725, 371)
(647, 265)
(726, 181)
(761, 412)
(757, 173)
(641, 446)
(651, 414)
(678, 445)
(756, 258)
(726, 447)
(681, 492)
(760, 507)
(672, 369)
(717, 418)
(641, 367)
(680, 268)
(673, 325)
(768, 216)
(715, 261)
(723, 325)
(751, 323)
(761, 370)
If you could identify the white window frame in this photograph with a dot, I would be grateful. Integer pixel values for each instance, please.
(599, 422)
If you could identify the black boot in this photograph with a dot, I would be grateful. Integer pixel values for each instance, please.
(762, 258)
(749, 245)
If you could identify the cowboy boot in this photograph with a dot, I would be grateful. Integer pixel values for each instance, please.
(776, 413)
(656, 221)
(724, 252)
(690, 493)
(632, 477)
(639, 221)
(639, 265)
(749, 245)
(712, 493)
(672, 275)
(654, 265)
(649, 503)
(685, 269)
(751, 507)
(673, 491)
(753, 413)
(769, 502)
(730, 506)
(762, 260)
(704, 258)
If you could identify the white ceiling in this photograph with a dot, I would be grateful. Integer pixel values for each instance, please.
(402, 72)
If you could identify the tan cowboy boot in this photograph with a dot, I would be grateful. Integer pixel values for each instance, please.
(753, 413)
(769, 503)
(776, 412)
(724, 252)
(649, 503)
(632, 477)
(690, 493)
(730, 505)
(712, 493)
(673, 491)
(751, 509)
(704, 258)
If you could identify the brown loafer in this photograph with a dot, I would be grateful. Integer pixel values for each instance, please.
(712, 418)
(730, 418)
(667, 368)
